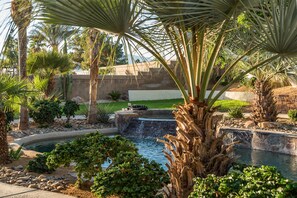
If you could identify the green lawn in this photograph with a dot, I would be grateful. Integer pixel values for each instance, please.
(111, 107)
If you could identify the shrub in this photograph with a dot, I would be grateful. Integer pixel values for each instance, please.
(102, 115)
(265, 181)
(235, 113)
(293, 114)
(130, 176)
(15, 154)
(38, 164)
(89, 153)
(44, 112)
(115, 95)
(69, 110)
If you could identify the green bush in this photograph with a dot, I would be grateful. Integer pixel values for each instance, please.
(235, 113)
(258, 182)
(15, 154)
(44, 112)
(115, 95)
(89, 153)
(69, 109)
(38, 164)
(293, 114)
(130, 176)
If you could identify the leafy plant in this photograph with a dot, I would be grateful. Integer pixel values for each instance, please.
(38, 164)
(235, 113)
(130, 176)
(102, 115)
(15, 154)
(293, 114)
(115, 95)
(89, 153)
(264, 181)
(45, 111)
(69, 109)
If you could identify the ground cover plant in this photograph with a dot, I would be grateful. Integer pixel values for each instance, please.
(88, 153)
(249, 181)
(130, 175)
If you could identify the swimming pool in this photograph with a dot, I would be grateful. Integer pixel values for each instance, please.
(152, 150)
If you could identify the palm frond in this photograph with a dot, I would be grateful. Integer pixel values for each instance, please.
(275, 22)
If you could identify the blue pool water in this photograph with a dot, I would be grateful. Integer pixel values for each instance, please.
(152, 150)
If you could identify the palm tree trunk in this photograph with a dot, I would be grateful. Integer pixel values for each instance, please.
(94, 69)
(196, 150)
(3, 139)
(50, 85)
(22, 39)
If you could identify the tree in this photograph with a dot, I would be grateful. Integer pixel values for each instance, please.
(46, 65)
(194, 32)
(51, 35)
(81, 54)
(10, 59)
(21, 11)
(264, 105)
(11, 90)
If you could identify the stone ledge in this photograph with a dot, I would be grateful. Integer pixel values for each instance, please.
(59, 135)
(262, 140)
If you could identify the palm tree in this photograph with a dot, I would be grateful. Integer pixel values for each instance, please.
(11, 90)
(195, 32)
(264, 104)
(52, 35)
(46, 65)
(21, 11)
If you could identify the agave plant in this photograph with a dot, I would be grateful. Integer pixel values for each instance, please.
(11, 90)
(194, 32)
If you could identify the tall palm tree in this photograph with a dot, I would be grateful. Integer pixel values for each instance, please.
(21, 13)
(194, 32)
(52, 35)
(11, 90)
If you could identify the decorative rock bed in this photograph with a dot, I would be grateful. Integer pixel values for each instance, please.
(19, 176)
(77, 125)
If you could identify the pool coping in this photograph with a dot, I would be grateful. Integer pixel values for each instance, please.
(31, 139)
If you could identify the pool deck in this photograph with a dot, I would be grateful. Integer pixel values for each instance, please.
(13, 191)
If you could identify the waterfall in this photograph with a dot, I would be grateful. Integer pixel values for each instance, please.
(150, 127)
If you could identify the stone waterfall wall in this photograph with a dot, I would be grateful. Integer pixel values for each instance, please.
(262, 140)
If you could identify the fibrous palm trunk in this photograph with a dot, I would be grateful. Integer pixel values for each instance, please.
(3, 139)
(94, 69)
(24, 114)
(51, 85)
(196, 150)
(264, 106)
(21, 11)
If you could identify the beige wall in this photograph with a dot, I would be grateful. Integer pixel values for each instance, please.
(153, 79)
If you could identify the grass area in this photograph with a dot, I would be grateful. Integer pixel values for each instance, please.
(224, 105)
